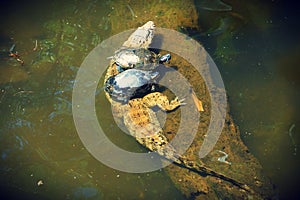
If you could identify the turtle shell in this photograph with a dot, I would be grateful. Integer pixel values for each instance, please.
(128, 58)
(130, 83)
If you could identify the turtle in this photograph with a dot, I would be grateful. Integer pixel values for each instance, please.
(139, 58)
(135, 53)
(130, 83)
(128, 58)
(142, 37)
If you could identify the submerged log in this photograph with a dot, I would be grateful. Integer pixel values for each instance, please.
(240, 175)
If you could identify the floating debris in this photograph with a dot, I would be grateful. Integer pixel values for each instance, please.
(15, 54)
(40, 182)
(214, 5)
(17, 57)
(23, 92)
(12, 48)
(197, 102)
(292, 138)
(223, 158)
(35, 46)
(131, 11)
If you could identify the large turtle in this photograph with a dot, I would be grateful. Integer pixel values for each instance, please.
(126, 85)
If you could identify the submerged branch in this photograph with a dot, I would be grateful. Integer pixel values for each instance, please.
(131, 11)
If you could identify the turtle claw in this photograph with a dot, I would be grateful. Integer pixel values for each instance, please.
(181, 102)
(176, 102)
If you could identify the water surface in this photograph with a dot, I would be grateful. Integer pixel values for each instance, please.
(254, 44)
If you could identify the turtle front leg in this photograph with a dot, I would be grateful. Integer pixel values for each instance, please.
(162, 101)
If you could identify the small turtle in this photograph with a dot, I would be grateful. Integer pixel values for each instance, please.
(123, 86)
(128, 58)
(141, 37)
(141, 58)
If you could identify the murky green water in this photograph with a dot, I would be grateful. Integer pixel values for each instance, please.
(255, 47)
(259, 65)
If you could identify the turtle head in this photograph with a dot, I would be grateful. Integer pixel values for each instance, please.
(119, 68)
(165, 58)
(109, 84)
(149, 25)
(116, 93)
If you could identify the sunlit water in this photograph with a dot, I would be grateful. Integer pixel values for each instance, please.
(41, 154)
